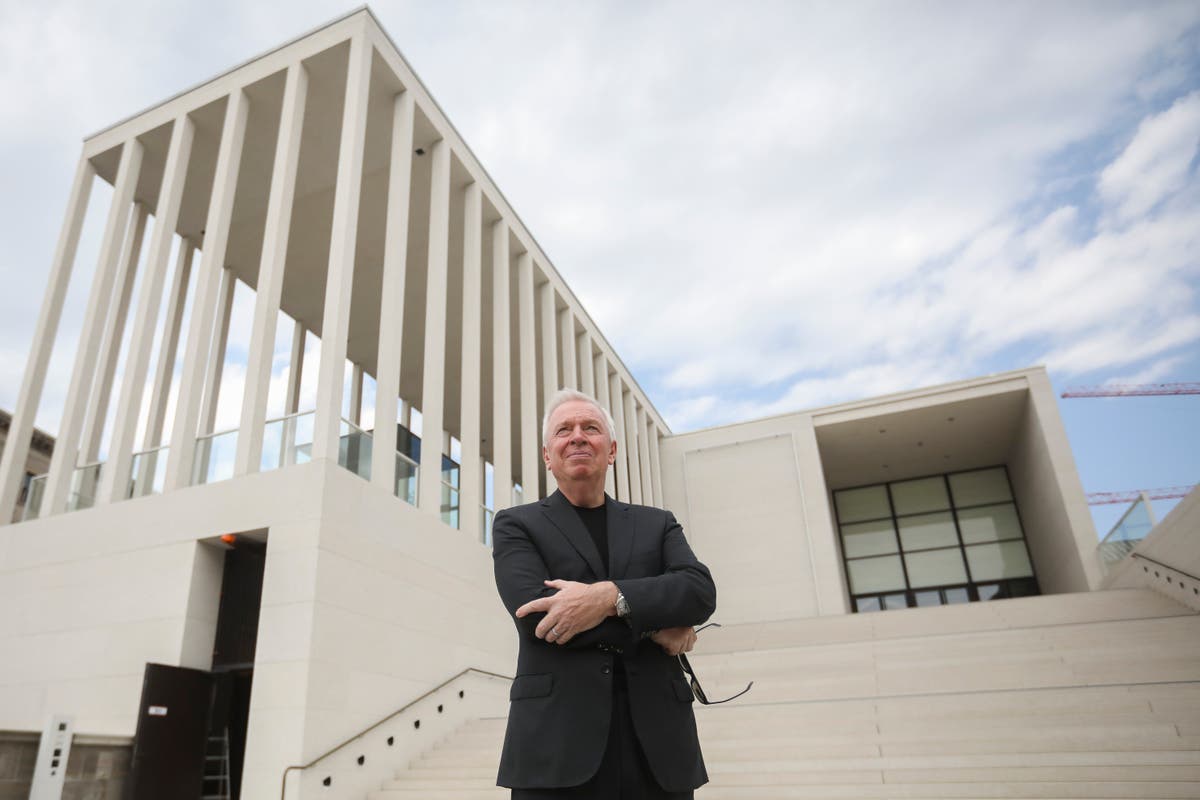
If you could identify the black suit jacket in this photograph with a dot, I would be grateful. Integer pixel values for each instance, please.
(561, 699)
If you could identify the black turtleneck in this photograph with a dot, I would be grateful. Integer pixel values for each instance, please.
(596, 522)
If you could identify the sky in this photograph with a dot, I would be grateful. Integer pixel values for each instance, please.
(766, 206)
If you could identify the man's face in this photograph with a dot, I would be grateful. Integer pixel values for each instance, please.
(578, 447)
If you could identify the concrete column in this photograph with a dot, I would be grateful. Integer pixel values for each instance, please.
(114, 332)
(295, 369)
(66, 446)
(16, 448)
(391, 301)
(356, 394)
(206, 296)
(655, 466)
(216, 353)
(566, 337)
(531, 460)
(643, 444)
(617, 405)
(165, 369)
(549, 361)
(339, 282)
(549, 316)
(433, 377)
(271, 269)
(587, 375)
(600, 369)
(114, 479)
(502, 481)
(470, 496)
(632, 448)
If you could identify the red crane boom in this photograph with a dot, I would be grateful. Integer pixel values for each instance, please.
(1133, 390)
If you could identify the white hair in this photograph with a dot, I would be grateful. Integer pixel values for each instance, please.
(568, 395)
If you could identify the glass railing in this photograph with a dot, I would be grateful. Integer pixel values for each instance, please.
(451, 475)
(149, 472)
(33, 500)
(85, 481)
(407, 473)
(449, 505)
(1133, 526)
(486, 533)
(214, 457)
(287, 440)
(354, 449)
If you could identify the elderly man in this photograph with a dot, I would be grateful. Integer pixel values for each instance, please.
(604, 595)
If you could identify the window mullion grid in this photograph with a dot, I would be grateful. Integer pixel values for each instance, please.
(909, 599)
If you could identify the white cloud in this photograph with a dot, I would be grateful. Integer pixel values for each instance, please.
(764, 206)
(1157, 163)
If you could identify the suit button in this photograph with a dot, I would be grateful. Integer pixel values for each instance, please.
(606, 669)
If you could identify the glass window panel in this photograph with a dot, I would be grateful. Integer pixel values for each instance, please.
(924, 494)
(928, 598)
(891, 601)
(989, 591)
(867, 604)
(869, 538)
(956, 595)
(1026, 587)
(935, 567)
(856, 505)
(875, 574)
(927, 531)
(990, 562)
(980, 487)
(989, 523)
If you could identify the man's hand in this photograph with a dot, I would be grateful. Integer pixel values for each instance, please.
(576, 607)
(675, 640)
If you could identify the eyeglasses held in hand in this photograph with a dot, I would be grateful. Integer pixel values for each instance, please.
(694, 682)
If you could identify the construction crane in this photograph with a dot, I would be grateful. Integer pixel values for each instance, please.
(1133, 390)
(1170, 493)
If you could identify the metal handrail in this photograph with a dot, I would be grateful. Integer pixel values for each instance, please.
(292, 415)
(1165, 566)
(215, 434)
(409, 459)
(397, 712)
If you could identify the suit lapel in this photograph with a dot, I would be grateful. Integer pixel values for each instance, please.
(620, 536)
(558, 510)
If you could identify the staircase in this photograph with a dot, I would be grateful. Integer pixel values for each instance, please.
(1072, 696)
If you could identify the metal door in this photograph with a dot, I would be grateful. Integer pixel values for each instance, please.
(172, 732)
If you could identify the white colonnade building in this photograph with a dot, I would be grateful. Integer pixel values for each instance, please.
(324, 178)
(320, 562)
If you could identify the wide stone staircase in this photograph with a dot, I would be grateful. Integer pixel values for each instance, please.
(1091, 695)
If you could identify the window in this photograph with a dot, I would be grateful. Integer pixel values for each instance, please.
(936, 540)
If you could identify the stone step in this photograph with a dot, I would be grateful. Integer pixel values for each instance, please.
(1047, 790)
(1048, 698)
(772, 760)
(863, 790)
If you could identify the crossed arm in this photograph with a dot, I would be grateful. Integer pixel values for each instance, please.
(575, 614)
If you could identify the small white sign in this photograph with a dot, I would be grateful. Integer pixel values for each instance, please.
(53, 753)
(158, 711)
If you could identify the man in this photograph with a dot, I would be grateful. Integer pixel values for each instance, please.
(604, 596)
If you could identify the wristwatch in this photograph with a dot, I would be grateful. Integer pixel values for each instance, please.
(622, 605)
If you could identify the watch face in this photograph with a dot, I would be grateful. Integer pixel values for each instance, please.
(622, 606)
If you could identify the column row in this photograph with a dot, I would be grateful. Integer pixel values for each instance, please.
(548, 345)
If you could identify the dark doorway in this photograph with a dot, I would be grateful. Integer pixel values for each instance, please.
(191, 733)
(233, 662)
